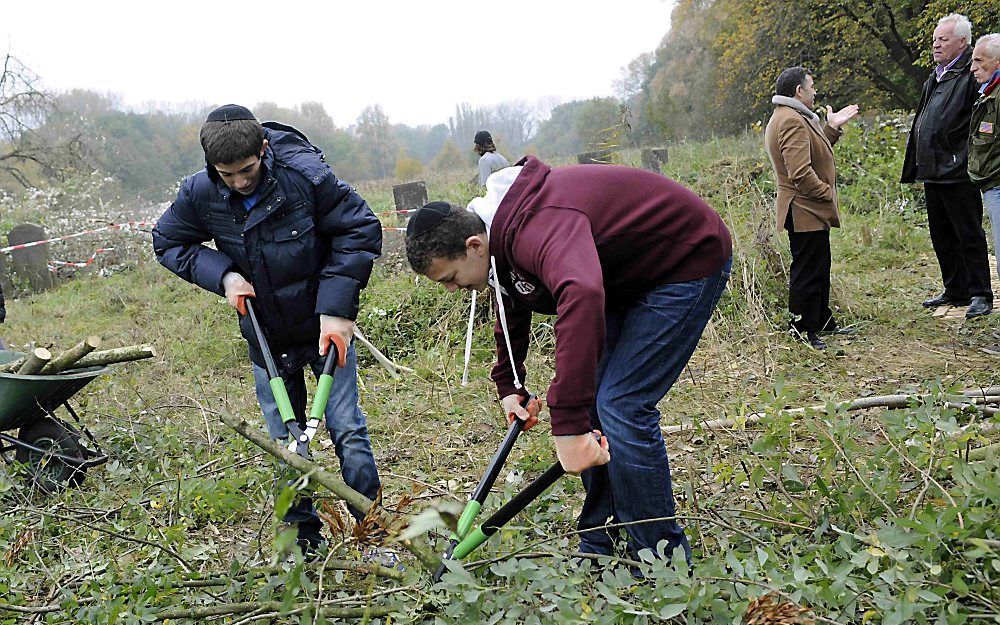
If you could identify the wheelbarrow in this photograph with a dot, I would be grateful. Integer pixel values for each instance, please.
(55, 452)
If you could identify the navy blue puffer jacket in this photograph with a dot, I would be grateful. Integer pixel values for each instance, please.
(307, 246)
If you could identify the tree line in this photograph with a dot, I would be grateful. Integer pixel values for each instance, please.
(712, 74)
(46, 137)
(714, 71)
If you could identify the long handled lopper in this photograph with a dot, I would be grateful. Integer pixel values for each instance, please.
(502, 516)
(300, 438)
(478, 498)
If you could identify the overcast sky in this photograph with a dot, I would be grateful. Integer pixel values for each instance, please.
(417, 59)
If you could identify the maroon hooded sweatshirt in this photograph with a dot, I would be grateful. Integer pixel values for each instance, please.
(578, 240)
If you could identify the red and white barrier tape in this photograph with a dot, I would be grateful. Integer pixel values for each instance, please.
(54, 265)
(123, 226)
(399, 212)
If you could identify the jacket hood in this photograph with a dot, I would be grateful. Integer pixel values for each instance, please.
(528, 182)
(497, 186)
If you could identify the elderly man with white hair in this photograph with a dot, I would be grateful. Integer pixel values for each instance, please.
(984, 146)
(937, 156)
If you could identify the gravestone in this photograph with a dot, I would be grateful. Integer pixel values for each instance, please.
(595, 157)
(654, 158)
(32, 263)
(409, 196)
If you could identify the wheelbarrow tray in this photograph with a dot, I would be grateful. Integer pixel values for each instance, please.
(25, 398)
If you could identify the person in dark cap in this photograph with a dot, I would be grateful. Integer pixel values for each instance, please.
(489, 160)
(301, 243)
(633, 265)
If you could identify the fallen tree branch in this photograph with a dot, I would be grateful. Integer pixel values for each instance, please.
(881, 401)
(389, 365)
(863, 403)
(334, 483)
(268, 606)
(367, 568)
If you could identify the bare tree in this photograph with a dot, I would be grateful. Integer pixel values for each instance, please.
(24, 108)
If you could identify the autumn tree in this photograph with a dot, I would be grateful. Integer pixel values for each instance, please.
(26, 155)
(377, 142)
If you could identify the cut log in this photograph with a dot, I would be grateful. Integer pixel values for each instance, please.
(38, 358)
(118, 354)
(12, 366)
(69, 357)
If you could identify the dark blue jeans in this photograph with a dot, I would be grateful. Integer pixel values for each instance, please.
(646, 348)
(344, 421)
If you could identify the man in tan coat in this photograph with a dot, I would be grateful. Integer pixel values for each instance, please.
(801, 152)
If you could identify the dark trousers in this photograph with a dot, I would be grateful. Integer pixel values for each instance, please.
(955, 219)
(809, 280)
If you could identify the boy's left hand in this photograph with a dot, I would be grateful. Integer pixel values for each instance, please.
(328, 326)
(581, 452)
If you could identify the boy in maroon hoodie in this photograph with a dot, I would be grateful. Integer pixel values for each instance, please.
(633, 265)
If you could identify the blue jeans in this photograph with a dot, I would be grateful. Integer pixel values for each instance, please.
(344, 421)
(646, 348)
(991, 201)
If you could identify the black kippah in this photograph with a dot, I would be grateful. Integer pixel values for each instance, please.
(427, 217)
(229, 113)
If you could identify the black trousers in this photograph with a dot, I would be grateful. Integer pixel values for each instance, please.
(809, 280)
(955, 219)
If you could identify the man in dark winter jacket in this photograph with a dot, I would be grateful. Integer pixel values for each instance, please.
(633, 264)
(937, 155)
(301, 243)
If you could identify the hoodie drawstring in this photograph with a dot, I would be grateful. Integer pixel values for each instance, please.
(503, 320)
(468, 339)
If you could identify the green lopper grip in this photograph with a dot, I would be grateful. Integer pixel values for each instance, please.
(281, 398)
(469, 544)
(322, 396)
(468, 517)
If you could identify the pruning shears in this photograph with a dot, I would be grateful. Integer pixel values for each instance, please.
(478, 498)
(501, 517)
(300, 437)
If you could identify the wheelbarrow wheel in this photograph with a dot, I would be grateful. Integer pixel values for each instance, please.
(50, 473)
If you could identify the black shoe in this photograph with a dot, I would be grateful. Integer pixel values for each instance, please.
(945, 300)
(814, 341)
(840, 331)
(978, 307)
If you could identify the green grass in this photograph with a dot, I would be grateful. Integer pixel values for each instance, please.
(180, 479)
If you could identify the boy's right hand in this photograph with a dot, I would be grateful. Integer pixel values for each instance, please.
(237, 290)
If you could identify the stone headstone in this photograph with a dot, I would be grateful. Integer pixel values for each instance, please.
(595, 157)
(654, 158)
(32, 263)
(409, 196)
